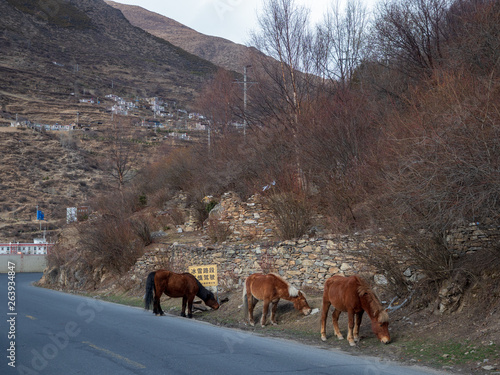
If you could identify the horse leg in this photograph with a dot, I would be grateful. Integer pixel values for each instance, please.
(350, 328)
(252, 301)
(335, 321)
(357, 322)
(324, 315)
(156, 302)
(265, 310)
(183, 310)
(190, 306)
(273, 312)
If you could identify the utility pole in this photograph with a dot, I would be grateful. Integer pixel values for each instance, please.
(245, 88)
(245, 100)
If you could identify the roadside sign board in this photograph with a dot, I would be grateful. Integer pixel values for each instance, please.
(206, 274)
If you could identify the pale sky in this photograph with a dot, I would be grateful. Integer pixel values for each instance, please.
(230, 19)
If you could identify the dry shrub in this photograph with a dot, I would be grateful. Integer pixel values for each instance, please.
(176, 216)
(202, 211)
(58, 255)
(390, 262)
(110, 242)
(157, 198)
(69, 140)
(339, 140)
(421, 253)
(292, 214)
(442, 165)
(430, 256)
(142, 229)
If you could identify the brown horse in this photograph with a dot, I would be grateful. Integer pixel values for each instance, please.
(354, 295)
(270, 288)
(176, 285)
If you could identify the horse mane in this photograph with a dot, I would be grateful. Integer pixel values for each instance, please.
(203, 292)
(292, 291)
(377, 310)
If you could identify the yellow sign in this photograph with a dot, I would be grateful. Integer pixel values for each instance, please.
(207, 275)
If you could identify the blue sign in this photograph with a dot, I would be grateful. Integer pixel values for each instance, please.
(39, 215)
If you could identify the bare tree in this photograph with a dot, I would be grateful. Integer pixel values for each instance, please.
(218, 100)
(474, 27)
(284, 35)
(120, 161)
(409, 34)
(340, 42)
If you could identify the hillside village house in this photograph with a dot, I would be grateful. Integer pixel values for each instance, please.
(45, 127)
(40, 246)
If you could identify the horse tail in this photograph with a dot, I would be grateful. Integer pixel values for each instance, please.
(245, 300)
(150, 290)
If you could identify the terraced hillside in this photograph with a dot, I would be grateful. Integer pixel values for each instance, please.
(45, 170)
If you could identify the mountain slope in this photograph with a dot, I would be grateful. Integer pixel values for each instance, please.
(53, 53)
(219, 51)
(51, 50)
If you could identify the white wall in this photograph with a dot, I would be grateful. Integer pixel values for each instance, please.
(24, 263)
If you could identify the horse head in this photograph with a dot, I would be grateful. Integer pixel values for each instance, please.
(380, 327)
(300, 303)
(211, 301)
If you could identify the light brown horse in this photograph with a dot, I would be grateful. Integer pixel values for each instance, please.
(270, 288)
(354, 295)
(176, 285)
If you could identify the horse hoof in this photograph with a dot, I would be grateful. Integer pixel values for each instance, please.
(252, 324)
(352, 343)
(190, 316)
(323, 338)
(183, 315)
(340, 337)
(275, 324)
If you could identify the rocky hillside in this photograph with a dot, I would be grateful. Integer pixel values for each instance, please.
(55, 54)
(219, 51)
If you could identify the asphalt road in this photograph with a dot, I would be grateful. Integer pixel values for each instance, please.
(63, 334)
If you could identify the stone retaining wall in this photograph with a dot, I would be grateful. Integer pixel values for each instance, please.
(302, 262)
(474, 237)
(305, 262)
(250, 220)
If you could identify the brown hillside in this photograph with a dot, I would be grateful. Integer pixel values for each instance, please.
(44, 170)
(85, 47)
(219, 51)
(51, 58)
